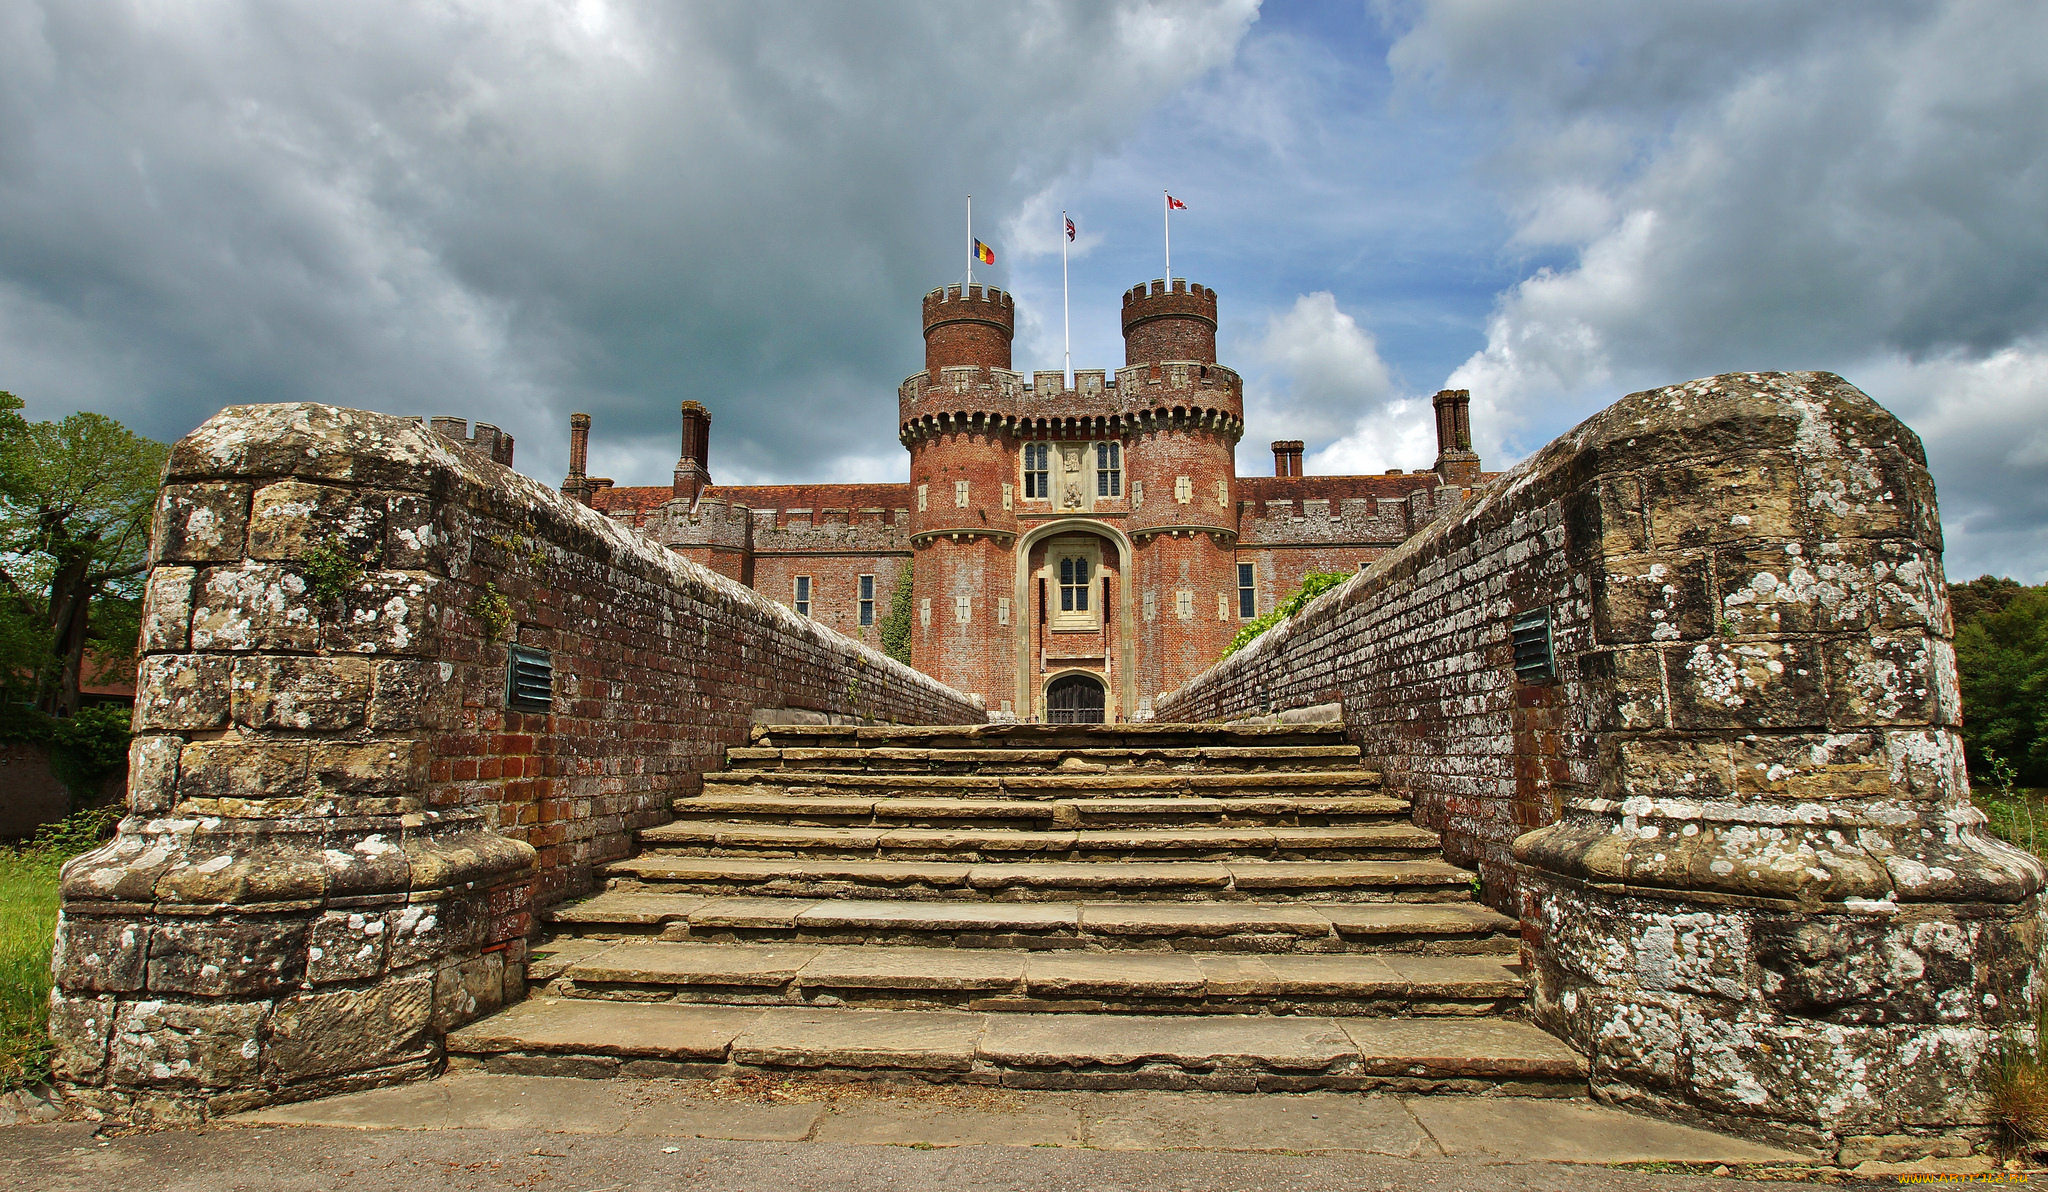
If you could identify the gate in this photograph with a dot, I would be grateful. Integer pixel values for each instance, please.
(1074, 699)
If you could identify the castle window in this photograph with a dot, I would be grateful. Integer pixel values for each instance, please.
(1109, 469)
(923, 492)
(1074, 566)
(1183, 604)
(924, 612)
(867, 599)
(1183, 489)
(1037, 470)
(1002, 610)
(960, 494)
(803, 595)
(1009, 495)
(1137, 494)
(962, 609)
(1223, 494)
(1247, 592)
(1074, 577)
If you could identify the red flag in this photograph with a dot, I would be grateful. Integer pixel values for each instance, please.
(984, 253)
(1070, 229)
(1173, 204)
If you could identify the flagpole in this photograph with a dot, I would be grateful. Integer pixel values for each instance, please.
(1166, 218)
(970, 240)
(1066, 318)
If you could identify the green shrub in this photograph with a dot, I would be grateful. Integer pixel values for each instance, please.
(1314, 584)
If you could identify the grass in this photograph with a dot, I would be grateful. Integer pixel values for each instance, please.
(28, 921)
(2018, 1081)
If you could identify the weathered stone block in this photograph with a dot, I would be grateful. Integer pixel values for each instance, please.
(344, 1030)
(100, 954)
(1639, 1040)
(1625, 688)
(1812, 765)
(255, 606)
(1707, 504)
(319, 694)
(413, 539)
(244, 869)
(79, 1029)
(346, 946)
(1837, 969)
(181, 692)
(1745, 685)
(167, 609)
(242, 767)
(390, 766)
(431, 931)
(407, 694)
(469, 990)
(1666, 767)
(1889, 679)
(1651, 598)
(1926, 763)
(244, 958)
(153, 774)
(200, 523)
(291, 517)
(389, 612)
(204, 1044)
(1703, 952)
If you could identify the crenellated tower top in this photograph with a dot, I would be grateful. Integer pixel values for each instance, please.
(1169, 321)
(967, 326)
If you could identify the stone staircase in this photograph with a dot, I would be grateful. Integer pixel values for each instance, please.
(1051, 906)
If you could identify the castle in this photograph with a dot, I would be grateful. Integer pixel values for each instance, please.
(1076, 551)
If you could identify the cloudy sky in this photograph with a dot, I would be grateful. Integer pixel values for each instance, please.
(514, 209)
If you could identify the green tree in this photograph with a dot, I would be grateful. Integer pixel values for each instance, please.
(2002, 660)
(896, 622)
(1983, 595)
(75, 503)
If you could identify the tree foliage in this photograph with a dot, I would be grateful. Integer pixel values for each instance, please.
(75, 503)
(896, 622)
(2002, 660)
(1314, 584)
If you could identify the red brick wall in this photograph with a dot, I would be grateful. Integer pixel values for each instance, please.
(835, 588)
(970, 327)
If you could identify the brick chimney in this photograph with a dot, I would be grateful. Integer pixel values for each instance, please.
(1287, 457)
(1455, 460)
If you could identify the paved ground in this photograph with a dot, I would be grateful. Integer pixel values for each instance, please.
(470, 1130)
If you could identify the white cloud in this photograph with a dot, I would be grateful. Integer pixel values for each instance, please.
(515, 208)
(1320, 378)
(1787, 186)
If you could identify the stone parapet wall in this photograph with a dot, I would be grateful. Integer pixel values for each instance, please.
(338, 826)
(1736, 823)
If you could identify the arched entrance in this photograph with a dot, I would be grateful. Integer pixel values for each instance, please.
(1074, 699)
(1046, 651)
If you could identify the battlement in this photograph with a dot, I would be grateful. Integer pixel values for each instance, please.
(986, 398)
(1158, 296)
(487, 440)
(977, 302)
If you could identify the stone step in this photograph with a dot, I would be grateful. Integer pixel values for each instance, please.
(1424, 881)
(1375, 842)
(1320, 783)
(860, 810)
(899, 977)
(1044, 736)
(885, 759)
(1240, 926)
(1236, 1053)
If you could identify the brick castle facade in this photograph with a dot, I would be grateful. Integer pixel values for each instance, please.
(1074, 549)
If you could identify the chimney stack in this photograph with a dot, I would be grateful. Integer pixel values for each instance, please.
(693, 472)
(1287, 457)
(575, 485)
(1455, 460)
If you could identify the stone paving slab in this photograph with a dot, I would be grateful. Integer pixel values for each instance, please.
(928, 1040)
(1100, 875)
(1140, 974)
(608, 1028)
(694, 964)
(1204, 918)
(1340, 875)
(636, 907)
(1205, 1043)
(875, 967)
(1422, 1128)
(934, 915)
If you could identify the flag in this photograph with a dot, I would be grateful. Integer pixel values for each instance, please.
(984, 253)
(1173, 204)
(1070, 229)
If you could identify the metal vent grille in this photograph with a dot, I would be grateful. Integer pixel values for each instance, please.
(1534, 661)
(529, 680)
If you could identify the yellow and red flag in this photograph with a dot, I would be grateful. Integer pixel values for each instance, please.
(984, 253)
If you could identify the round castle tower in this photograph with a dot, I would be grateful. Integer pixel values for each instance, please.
(1183, 477)
(963, 520)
